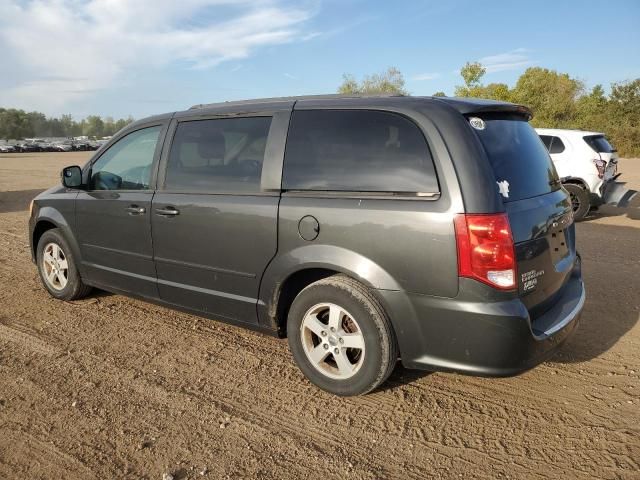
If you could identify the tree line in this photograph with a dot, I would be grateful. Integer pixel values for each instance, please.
(18, 124)
(556, 99)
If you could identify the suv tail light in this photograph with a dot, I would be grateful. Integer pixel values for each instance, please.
(486, 250)
(600, 165)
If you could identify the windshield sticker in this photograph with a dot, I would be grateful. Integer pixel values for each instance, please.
(503, 188)
(477, 123)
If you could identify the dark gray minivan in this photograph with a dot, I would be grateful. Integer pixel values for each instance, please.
(365, 229)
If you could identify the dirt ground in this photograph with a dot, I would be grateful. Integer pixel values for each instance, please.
(110, 387)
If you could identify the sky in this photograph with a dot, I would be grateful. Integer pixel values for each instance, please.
(141, 57)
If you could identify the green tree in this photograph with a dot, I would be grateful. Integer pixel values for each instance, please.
(18, 124)
(391, 81)
(472, 73)
(439, 94)
(94, 126)
(624, 114)
(40, 126)
(121, 123)
(551, 96)
(592, 110)
(15, 124)
(496, 91)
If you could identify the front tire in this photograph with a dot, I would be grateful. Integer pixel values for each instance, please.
(579, 200)
(57, 267)
(340, 336)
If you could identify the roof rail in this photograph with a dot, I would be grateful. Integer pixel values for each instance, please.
(294, 98)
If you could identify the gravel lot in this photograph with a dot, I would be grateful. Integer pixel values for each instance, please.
(110, 387)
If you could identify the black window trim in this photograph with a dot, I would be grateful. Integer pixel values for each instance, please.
(88, 168)
(173, 127)
(357, 194)
(362, 195)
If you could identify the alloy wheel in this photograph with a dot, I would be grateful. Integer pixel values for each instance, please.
(55, 266)
(333, 341)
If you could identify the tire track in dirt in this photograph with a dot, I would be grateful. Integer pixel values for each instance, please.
(21, 336)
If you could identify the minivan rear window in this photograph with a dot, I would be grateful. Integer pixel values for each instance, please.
(357, 151)
(599, 144)
(520, 161)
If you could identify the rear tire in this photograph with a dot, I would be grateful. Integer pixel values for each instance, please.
(579, 200)
(340, 336)
(57, 267)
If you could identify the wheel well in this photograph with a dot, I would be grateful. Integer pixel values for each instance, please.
(290, 288)
(576, 181)
(41, 227)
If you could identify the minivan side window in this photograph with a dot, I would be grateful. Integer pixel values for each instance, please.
(357, 151)
(126, 165)
(218, 155)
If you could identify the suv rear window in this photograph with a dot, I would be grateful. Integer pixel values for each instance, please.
(518, 157)
(599, 144)
(357, 151)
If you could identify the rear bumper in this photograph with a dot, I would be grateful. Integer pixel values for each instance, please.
(615, 193)
(481, 336)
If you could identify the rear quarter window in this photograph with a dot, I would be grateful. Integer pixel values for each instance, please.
(357, 151)
(520, 161)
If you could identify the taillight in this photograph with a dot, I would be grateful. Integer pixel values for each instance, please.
(601, 165)
(485, 249)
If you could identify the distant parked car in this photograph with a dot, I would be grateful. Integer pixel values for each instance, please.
(62, 147)
(81, 146)
(6, 148)
(586, 163)
(95, 145)
(48, 146)
(29, 147)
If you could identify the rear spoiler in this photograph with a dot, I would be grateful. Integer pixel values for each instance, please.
(471, 106)
(506, 108)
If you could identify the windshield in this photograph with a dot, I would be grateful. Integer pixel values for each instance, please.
(520, 161)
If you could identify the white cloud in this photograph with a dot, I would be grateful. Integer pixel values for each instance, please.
(63, 50)
(288, 75)
(425, 76)
(511, 60)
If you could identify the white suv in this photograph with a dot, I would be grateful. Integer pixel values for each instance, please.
(586, 163)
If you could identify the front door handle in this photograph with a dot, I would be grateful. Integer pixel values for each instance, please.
(167, 211)
(135, 210)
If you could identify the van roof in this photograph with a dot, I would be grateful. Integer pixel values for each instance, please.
(463, 105)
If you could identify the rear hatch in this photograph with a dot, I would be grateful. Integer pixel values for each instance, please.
(539, 210)
(605, 152)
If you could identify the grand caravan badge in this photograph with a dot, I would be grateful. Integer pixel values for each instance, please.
(530, 279)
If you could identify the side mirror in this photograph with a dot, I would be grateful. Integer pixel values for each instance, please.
(72, 177)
